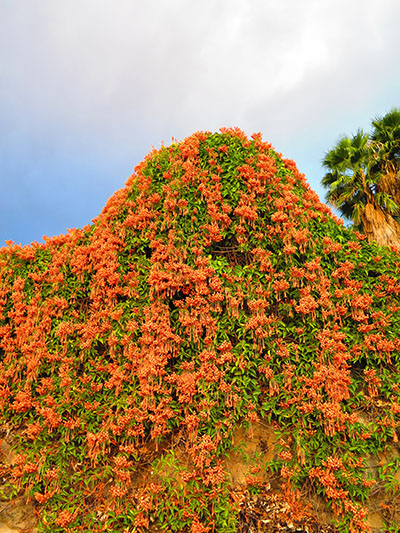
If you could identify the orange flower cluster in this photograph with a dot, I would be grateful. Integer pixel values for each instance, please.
(213, 290)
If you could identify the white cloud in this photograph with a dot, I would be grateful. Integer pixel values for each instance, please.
(92, 63)
(98, 76)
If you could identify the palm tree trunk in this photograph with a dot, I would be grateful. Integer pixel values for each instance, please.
(380, 227)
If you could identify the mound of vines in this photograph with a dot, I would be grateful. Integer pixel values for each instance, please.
(214, 291)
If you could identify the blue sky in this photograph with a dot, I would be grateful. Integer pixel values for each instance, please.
(87, 87)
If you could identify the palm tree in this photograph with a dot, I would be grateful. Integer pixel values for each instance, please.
(386, 147)
(355, 188)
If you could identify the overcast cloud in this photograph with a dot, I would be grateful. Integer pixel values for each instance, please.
(87, 87)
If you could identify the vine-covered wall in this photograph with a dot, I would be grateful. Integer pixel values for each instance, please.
(214, 292)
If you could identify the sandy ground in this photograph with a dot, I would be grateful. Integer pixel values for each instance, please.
(6, 529)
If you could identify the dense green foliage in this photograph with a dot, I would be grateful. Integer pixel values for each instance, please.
(214, 291)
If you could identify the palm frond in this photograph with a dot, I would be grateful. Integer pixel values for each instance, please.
(386, 202)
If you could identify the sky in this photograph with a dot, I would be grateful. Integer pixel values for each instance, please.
(88, 87)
